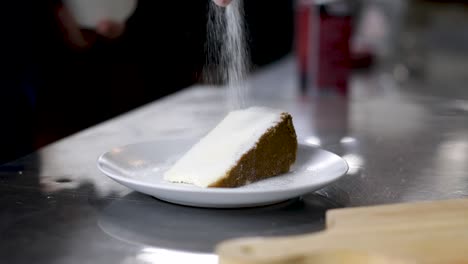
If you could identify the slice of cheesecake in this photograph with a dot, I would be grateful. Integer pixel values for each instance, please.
(246, 146)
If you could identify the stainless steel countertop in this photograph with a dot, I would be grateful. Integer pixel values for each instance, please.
(401, 143)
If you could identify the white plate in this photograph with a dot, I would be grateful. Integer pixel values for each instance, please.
(141, 167)
(88, 13)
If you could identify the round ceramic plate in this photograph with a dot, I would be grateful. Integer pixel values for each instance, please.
(141, 167)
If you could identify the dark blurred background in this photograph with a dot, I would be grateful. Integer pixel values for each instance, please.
(51, 88)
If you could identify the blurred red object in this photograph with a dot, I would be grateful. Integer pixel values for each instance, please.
(323, 36)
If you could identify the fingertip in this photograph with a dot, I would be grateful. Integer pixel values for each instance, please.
(110, 29)
(222, 3)
(103, 27)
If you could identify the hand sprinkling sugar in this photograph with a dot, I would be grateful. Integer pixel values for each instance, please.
(222, 2)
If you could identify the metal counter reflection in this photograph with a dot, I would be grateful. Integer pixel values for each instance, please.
(145, 221)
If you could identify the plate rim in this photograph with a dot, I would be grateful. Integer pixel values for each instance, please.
(178, 188)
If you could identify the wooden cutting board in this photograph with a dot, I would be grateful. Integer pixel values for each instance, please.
(420, 233)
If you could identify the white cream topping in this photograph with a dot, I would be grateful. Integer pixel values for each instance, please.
(216, 153)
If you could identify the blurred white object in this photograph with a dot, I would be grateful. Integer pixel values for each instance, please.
(380, 26)
(88, 13)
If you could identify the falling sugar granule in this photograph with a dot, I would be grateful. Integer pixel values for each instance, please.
(227, 53)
